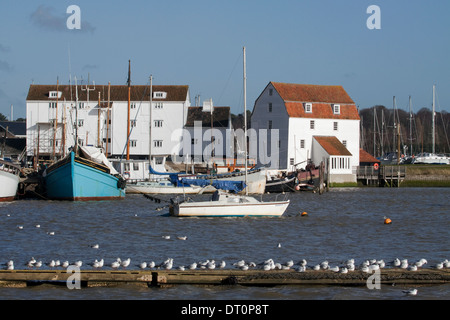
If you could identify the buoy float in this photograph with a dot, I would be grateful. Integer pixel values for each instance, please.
(297, 187)
(304, 213)
(387, 220)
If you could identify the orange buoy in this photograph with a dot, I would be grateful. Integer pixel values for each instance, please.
(304, 213)
(387, 220)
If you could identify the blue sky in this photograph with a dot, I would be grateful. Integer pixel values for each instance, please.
(199, 43)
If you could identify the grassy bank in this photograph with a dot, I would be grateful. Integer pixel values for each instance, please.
(427, 176)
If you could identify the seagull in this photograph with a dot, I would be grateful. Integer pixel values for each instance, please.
(52, 264)
(303, 263)
(166, 237)
(78, 263)
(65, 264)
(38, 226)
(404, 264)
(211, 265)
(222, 264)
(279, 245)
(411, 292)
(95, 246)
(301, 269)
(151, 264)
(344, 270)
(143, 265)
(96, 264)
(181, 268)
(38, 264)
(193, 266)
(397, 262)
(316, 267)
(365, 269)
(20, 227)
(324, 265)
(335, 269)
(412, 268)
(289, 263)
(239, 264)
(181, 238)
(126, 263)
(115, 264)
(57, 263)
(244, 267)
(51, 233)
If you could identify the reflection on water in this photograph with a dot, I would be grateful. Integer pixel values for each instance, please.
(341, 224)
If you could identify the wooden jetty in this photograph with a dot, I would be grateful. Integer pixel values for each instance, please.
(255, 277)
(389, 176)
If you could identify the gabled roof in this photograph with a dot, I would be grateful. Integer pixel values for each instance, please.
(332, 146)
(365, 157)
(117, 93)
(322, 98)
(220, 117)
(17, 128)
(291, 92)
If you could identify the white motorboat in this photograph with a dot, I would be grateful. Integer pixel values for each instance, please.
(224, 204)
(431, 158)
(163, 187)
(9, 180)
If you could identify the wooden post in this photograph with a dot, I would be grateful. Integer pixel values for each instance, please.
(129, 107)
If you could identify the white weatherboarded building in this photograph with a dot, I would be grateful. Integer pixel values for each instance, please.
(53, 119)
(315, 123)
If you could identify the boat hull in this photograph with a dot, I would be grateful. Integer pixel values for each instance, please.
(9, 182)
(154, 189)
(77, 179)
(209, 209)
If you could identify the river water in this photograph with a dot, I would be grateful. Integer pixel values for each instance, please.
(341, 224)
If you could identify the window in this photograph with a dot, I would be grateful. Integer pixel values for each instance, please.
(158, 105)
(133, 143)
(157, 143)
(80, 123)
(291, 161)
(135, 166)
(158, 123)
(52, 105)
(269, 125)
(312, 124)
(194, 141)
(133, 105)
(336, 109)
(54, 94)
(302, 144)
(270, 106)
(133, 123)
(335, 126)
(270, 92)
(344, 142)
(81, 105)
(159, 95)
(308, 107)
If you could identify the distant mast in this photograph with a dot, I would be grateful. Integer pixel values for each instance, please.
(245, 119)
(129, 106)
(433, 120)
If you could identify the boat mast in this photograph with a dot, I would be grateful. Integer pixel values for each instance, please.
(128, 113)
(55, 124)
(410, 128)
(76, 116)
(245, 120)
(150, 124)
(433, 120)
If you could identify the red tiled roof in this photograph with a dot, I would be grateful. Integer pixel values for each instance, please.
(322, 97)
(332, 146)
(365, 157)
(322, 111)
(118, 92)
(312, 93)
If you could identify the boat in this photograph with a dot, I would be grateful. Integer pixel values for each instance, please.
(431, 158)
(163, 186)
(9, 180)
(227, 204)
(83, 175)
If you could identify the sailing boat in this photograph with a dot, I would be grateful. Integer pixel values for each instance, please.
(9, 180)
(432, 157)
(84, 174)
(223, 204)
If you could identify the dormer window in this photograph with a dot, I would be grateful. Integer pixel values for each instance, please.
(336, 108)
(308, 107)
(159, 95)
(54, 94)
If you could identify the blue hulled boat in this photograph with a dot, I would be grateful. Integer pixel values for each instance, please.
(79, 178)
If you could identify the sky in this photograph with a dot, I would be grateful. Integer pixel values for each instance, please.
(199, 43)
